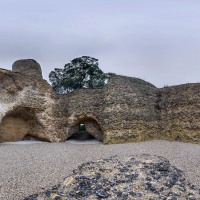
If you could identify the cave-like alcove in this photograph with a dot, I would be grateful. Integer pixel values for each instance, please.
(19, 124)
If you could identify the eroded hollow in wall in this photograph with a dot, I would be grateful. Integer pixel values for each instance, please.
(86, 129)
(17, 125)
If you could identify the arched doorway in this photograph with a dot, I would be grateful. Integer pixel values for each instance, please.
(85, 128)
(82, 133)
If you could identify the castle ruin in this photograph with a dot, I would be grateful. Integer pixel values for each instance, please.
(126, 109)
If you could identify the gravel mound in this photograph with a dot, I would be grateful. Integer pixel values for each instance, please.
(143, 176)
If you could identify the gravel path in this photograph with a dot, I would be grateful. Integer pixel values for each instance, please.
(27, 169)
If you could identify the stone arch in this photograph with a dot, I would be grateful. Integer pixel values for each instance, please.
(91, 123)
(18, 124)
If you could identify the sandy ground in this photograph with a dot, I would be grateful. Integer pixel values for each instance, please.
(29, 167)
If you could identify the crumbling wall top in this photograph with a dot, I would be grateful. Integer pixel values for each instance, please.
(28, 67)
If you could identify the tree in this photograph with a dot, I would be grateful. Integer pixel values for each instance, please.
(82, 72)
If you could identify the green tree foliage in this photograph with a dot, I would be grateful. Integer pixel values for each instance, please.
(82, 72)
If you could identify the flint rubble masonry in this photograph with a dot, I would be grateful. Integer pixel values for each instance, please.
(126, 109)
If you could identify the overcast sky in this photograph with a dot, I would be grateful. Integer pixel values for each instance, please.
(156, 40)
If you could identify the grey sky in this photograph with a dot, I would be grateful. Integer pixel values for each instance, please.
(156, 40)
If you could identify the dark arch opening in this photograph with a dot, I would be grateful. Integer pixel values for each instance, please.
(82, 133)
(86, 129)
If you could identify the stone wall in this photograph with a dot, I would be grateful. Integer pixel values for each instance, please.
(125, 110)
(130, 110)
(81, 106)
(29, 102)
(180, 112)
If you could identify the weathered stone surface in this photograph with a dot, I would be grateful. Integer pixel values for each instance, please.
(26, 108)
(94, 129)
(81, 106)
(136, 177)
(28, 67)
(14, 128)
(180, 112)
(125, 110)
(130, 112)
